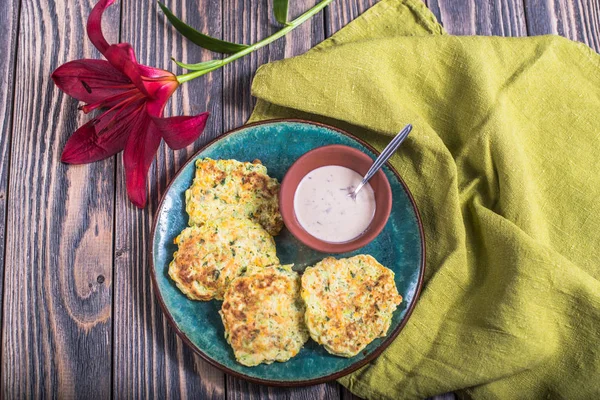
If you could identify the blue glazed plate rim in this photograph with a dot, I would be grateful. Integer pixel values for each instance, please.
(353, 367)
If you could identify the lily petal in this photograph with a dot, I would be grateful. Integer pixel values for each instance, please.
(90, 81)
(162, 91)
(139, 153)
(121, 57)
(135, 96)
(94, 25)
(103, 136)
(180, 132)
(159, 83)
(152, 72)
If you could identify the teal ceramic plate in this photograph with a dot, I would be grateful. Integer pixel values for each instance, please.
(400, 247)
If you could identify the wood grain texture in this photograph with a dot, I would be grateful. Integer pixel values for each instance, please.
(57, 289)
(341, 12)
(150, 361)
(474, 17)
(74, 326)
(248, 21)
(238, 389)
(9, 18)
(348, 395)
(575, 19)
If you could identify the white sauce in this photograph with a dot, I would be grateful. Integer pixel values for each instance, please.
(323, 208)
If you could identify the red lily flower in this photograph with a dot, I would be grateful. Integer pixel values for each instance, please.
(134, 96)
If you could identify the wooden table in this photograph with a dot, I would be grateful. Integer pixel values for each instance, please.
(79, 318)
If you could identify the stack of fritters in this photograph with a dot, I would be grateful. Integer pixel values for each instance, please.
(226, 252)
(233, 209)
(269, 312)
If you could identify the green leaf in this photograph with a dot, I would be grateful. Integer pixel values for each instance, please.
(280, 9)
(205, 65)
(202, 40)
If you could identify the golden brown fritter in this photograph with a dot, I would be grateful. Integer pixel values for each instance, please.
(209, 257)
(349, 302)
(263, 315)
(238, 189)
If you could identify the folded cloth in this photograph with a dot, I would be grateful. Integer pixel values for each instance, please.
(504, 164)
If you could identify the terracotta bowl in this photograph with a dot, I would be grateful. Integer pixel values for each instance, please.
(346, 157)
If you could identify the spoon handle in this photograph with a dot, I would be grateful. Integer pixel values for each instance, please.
(385, 155)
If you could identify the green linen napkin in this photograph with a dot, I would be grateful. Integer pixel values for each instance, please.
(504, 164)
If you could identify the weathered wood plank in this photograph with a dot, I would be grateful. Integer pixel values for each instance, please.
(348, 395)
(249, 21)
(9, 19)
(472, 17)
(244, 21)
(341, 12)
(575, 19)
(149, 359)
(58, 275)
(238, 389)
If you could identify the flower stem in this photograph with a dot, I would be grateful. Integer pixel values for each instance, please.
(289, 27)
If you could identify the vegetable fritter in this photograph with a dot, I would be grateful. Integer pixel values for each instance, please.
(349, 302)
(238, 189)
(209, 257)
(263, 315)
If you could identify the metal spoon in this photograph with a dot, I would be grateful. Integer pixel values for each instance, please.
(383, 157)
